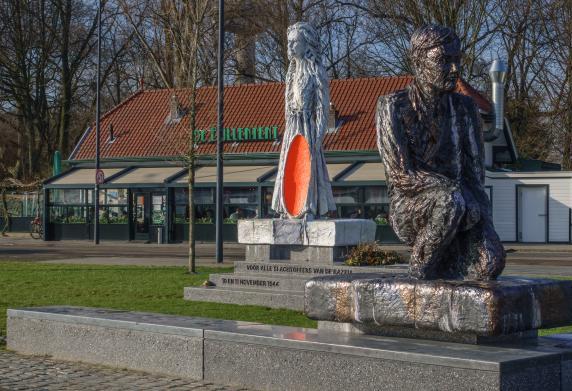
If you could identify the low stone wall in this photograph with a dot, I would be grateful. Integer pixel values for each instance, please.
(267, 357)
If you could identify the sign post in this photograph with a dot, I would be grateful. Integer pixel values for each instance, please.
(98, 172)
(219, 139)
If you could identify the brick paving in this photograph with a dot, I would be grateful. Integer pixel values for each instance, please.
(18, 372)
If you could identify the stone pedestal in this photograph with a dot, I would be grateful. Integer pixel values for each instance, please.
(461, 311)
(322, 233)
(281, 255)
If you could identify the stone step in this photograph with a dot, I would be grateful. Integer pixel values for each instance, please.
(283, 299)
(276, 269)
(262, 282)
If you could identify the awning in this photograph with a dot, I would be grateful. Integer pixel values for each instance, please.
(365, 172)
(81, 177)
(145, 176)
(231, 174)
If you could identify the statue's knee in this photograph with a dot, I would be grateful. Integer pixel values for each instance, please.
(455, 205)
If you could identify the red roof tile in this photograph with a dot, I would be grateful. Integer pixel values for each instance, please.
(140, 128)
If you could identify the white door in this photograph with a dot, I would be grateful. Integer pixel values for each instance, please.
(532, 214)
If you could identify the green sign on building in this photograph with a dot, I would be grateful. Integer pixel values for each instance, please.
(255, 133)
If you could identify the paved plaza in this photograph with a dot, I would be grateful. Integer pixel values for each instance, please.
(18, 372)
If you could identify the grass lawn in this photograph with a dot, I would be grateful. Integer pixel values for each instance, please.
(137, 288)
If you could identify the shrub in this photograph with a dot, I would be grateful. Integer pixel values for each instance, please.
(203, 220)
(372, 254)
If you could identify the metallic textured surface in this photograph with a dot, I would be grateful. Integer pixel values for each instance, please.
(431, 144)
(482, 308)
(307, 101)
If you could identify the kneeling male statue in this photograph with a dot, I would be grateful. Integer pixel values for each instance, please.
(431, 144)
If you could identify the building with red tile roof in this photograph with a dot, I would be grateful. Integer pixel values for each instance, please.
(142, 127)
(143, 141)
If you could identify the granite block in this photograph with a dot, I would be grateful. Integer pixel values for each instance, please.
(296, 253)
(424, 334)
(116, 346)
(265, 357)
(288, 269)
(264, 367)
(270, 283)
(346, 232)
(257, 252)
(282, 299)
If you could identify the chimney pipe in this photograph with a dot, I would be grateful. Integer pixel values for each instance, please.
(497, 73)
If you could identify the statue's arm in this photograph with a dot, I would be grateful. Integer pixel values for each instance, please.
(473, 149)
(392, 145)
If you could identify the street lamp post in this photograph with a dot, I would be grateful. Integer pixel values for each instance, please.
(97, 113)
(220, 120)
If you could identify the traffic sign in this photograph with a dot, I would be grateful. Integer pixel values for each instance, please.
(99, 177)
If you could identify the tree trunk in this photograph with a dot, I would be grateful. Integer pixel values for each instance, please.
(5, 215)
(191, 157)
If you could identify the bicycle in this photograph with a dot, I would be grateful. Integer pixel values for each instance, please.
(36, 228)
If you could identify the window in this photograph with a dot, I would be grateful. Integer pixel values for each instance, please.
(240, 195)
(204, 205)
(113, 206)
(267, 211)
(376, 195)
(113, 197)
(239, 203)
(347, 195)
(158, 209)
(70, 206)
(367, 202)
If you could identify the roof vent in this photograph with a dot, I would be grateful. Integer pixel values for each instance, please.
(111, 134)
(175, 111)
(332, 118)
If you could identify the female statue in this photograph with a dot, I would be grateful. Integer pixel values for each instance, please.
(302, 188)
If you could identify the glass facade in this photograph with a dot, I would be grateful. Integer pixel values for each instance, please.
(113, 206)
(70, 206)
(142, 211)
(239, 203)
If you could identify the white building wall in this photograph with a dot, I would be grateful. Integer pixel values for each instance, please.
(504, 202)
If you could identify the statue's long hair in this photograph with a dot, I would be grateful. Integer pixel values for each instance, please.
(311, 68)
